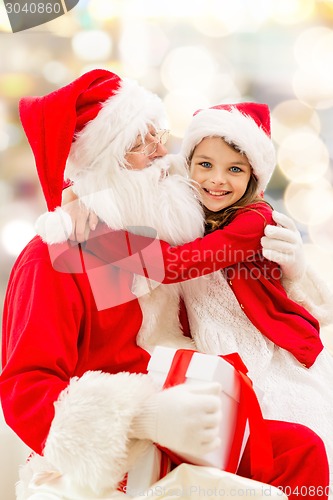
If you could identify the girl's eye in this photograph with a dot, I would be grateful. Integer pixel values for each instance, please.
(205, 164)
(235, 169)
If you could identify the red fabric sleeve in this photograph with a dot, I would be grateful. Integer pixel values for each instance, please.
(184, 319)
(39, 348)
(237, 242)
(66, 183)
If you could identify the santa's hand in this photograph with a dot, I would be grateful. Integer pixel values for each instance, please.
(185, 418)
(83, 220)
(283, 244)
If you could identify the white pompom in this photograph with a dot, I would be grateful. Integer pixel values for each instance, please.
(54, 227)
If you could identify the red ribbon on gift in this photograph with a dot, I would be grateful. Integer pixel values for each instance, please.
(261, 454)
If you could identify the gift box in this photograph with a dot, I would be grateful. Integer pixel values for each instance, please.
(194, 482)
(240, 407)
(145, 472)
(241, 416)
(206, 368)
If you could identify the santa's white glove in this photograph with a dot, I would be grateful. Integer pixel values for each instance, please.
(283, 244)
(185, 418)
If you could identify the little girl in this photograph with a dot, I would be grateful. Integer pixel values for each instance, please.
(244, 308)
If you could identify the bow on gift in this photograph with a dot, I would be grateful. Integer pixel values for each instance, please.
(261, 455)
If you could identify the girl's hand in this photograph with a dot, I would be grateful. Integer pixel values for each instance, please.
(283, 244)
(83, 220)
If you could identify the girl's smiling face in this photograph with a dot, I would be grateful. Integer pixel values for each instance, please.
(221, 172)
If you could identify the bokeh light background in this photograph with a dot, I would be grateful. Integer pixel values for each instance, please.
(193, 53)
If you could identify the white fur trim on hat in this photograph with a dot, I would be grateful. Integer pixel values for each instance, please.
(54, 227)
(236, 128)
(106, 138)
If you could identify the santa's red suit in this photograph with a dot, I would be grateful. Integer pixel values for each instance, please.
(62, 390)
(73, 375)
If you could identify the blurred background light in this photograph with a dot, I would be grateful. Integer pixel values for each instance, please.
(141, 46)
(10, 135)
(221, 17)
(4, 21)
(227, 19)
(191, 67)
(93, 45)
(313, 81)
(103, 10)
(4, 140)
(15, 85)
(5, 193)
(306, 45)
(152, 9)
(314, 87)
(293, 116)
(56, 72)
(303, 157)
(223, 88)
(310, 203)
(180, 106)
(292, 11)
(15, 234)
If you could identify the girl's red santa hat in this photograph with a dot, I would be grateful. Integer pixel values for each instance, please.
(245, 125)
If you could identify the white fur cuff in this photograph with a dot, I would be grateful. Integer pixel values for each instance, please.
(312, 292)
(89, 435)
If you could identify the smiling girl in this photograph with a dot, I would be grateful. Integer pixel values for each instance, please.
(244, 308)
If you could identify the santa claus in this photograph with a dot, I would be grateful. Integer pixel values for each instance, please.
(77, 331)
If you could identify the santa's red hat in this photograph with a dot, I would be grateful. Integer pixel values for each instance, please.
(97, 114)
(246, 125)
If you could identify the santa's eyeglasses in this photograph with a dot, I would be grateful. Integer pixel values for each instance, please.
(160, 137)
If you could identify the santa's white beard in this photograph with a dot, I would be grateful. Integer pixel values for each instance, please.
(155, 197)
(159, 198)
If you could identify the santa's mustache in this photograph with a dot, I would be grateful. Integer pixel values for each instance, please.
(160, 196)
